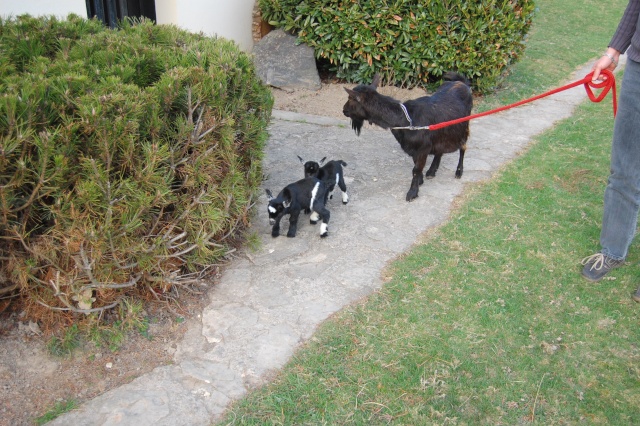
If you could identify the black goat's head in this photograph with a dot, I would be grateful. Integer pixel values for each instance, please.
(311, 168)
(277, 206)
(355, 107)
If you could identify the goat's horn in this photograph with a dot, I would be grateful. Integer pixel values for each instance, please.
(376, 80)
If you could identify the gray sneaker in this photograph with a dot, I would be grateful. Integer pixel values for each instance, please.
(597, 266)
(636, 295)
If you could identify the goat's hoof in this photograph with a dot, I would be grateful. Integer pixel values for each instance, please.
(275, 235)
(325, 235)
(291, 235)
(429, 176)
(412, 196)
(458, 175)
(345, 202)
(313, 222)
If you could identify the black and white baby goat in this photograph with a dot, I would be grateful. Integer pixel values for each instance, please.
(306, 194)
(330, 173)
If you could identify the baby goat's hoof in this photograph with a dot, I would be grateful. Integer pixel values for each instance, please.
(313, 222)
(326, 234)
(324, 230)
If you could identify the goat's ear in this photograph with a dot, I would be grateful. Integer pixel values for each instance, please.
(301, 160)
(353, 94)
(376, 81)
(322, 161)
(286, 197)
(269, 195)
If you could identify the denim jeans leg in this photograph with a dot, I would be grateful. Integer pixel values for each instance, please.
(622, 195)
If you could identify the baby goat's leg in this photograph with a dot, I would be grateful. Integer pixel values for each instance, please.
(325, 215)
(293, 223)
(275, 231)
(343, 188)
(330, 191)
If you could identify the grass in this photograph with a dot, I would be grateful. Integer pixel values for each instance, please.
(565, 35)
(487, 321)
(59, 409)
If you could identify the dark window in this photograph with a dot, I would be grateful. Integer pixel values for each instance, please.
(112, 11)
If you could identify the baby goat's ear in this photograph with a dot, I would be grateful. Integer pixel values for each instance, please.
(301, 160)
(269, 195)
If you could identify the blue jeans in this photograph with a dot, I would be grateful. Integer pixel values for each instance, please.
(622, 195)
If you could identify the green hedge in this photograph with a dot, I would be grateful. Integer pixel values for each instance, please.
(129, 158)
(409, 42)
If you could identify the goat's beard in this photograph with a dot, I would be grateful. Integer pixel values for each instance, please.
(356, 125)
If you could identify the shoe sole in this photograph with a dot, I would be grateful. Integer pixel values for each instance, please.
(592, 280)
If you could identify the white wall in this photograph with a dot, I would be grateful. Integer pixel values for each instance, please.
(59, 8)
(231, 19)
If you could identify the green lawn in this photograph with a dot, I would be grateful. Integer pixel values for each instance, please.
(487, 321)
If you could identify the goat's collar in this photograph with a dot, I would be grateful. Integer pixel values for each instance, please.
(406, 114)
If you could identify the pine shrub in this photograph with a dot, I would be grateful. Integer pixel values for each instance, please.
(129, 158)
(410, 43)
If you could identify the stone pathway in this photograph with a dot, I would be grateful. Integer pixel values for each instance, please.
(268, 302)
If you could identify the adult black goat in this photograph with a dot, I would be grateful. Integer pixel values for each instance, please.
(452, 100)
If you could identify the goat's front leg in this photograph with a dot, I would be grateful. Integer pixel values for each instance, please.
(343, 188)
(459, 169)
(419, 161)
(275, 231)
(435, 165)
(325, 215)
(293, 223)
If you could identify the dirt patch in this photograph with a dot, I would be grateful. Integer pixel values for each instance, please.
(328, 101)
(32, 380)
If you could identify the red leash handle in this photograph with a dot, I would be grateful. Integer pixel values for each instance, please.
(608, 83)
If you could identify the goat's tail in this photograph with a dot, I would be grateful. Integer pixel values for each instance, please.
(454, 76)
(343, 163)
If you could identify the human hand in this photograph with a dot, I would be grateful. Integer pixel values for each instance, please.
(608, 61)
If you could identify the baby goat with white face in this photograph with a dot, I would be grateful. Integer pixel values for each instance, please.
(330, 173)
(306, 194)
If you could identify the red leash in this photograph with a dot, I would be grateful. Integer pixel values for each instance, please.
(606, 85)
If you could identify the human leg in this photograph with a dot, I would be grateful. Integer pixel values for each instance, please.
(622, 194)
